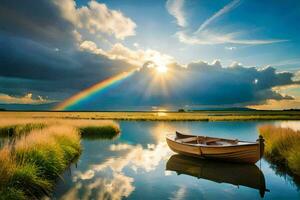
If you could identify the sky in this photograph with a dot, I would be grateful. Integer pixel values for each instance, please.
(141, 55)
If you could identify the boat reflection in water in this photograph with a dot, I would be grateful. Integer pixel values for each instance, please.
(248, 175)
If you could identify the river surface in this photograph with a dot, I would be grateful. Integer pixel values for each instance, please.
(139, 165)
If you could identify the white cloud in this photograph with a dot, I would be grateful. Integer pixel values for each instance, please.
(97, 18)
(135, 57)
(91, 47)
(218, 14)
(206, 37)
(179, 194)
(272, 104)
(68, 9)
(117, 185)
(27, 99)
(175, 8)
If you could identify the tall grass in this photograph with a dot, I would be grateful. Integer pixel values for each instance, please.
(30, 167)
(159, 115)
(282, 146)
(41, 150)
(92, 129)
(19, 129)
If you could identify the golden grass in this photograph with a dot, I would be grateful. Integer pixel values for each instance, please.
(40, 149)
(282, 146)
(31, 165)
(14, 126)
(160, 116)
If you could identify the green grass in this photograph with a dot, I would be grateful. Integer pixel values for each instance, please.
(20, 129)
(282, 147)
(41, 150)
(31, 166)
(100, 132)
(161, 115)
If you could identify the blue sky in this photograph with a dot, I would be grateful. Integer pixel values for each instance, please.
(51, 50)
(253, 20)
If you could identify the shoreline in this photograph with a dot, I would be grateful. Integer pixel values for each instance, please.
(159, 115)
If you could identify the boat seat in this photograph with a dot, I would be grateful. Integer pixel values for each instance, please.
(186, 140)
(209, 141)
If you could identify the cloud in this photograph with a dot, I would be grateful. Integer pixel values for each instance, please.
(179, 194)
(197, 84)
(27, 99)
(39, 21)
(59, 23)
(106, 180)
(207, 37)
(135, 57)
(218, 14)
(175, 8)
(44, 50)
(96, 17)
(115, 187)
(272, 104)
(52, 73)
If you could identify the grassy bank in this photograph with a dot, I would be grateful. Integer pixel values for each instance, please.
(162, 116)
(16, 127)
(41, 150)
(29, 168)
(19, 129)
(282, 147)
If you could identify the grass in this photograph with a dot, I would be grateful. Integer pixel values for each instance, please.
(101, 129)
(282, 147)
(31, 166)
(107, 132)
(20, 129)
(161, 115)
(41, 150)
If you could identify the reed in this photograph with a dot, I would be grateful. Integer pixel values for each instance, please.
(19, 129)
(109, 131)
(282, 146)
(159, 115)
(92, 129)
(30, 167)
(41, 150)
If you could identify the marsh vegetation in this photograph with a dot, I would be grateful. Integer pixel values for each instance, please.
(37, 151)
(282, 147)
(39, 147)
(163, 115)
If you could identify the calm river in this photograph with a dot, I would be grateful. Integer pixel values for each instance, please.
(139, 165)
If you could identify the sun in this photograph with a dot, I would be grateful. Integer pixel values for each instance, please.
(162, 69)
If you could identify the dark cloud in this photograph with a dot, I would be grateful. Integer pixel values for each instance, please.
(36, 20)
(198, 84)
(39, 54)
(27, 65)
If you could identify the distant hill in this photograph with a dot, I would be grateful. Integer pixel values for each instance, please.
(225, 109)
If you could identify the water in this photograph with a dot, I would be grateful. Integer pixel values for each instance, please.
(139, 165)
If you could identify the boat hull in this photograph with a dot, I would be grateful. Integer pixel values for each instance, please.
(249, 153)
(248, 175)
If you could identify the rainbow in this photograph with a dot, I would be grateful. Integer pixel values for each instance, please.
(100, 86)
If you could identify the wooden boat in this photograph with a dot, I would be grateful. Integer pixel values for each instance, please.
(216, 148)
(248, 175)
